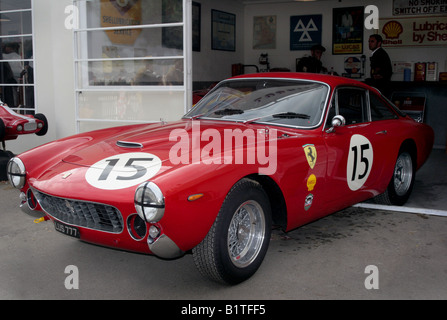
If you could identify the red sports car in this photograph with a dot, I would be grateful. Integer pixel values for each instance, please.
(259, 150)
(13, 124)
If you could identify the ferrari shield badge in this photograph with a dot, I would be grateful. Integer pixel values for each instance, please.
(311, 154)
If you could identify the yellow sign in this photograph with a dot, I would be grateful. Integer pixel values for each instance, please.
(120, 13)
(311, 154)
(311, 182)
(348, 48)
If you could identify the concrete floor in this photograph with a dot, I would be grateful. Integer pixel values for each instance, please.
(431, 183)
(327, 259)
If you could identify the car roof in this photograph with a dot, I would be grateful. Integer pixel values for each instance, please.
(333, 81)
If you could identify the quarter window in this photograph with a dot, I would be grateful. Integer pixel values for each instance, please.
(379, 110)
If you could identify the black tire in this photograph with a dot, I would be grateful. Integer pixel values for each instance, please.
(236, 244)
(2, 130)
(401, 184)
(44, 130)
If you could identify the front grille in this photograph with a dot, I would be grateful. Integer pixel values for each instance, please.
(30, 126)
(80, 213)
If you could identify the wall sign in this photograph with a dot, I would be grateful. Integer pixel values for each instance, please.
(414, 31)
(305, 31)
(223, 33)
(118, 13)
(172, 12)
(347, 30)
(418, 7)
(264, 32)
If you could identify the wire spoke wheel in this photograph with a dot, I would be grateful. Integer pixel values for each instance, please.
(403, 174)
(236, 244)
(402, 181)
(246, 234)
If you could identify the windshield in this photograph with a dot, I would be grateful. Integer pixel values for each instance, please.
(274, 101)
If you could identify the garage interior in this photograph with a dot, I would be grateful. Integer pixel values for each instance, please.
(407, 243)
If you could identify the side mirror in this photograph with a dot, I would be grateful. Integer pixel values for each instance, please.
(337, 121)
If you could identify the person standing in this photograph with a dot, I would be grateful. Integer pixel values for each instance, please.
(381, 68)
(313, 63)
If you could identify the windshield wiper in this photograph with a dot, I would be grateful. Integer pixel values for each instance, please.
(226, 112)
(291, 115)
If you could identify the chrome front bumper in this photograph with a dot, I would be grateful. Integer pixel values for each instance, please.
(165, 248)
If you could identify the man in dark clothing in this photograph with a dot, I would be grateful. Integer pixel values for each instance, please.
(381, 68)
(312, 64)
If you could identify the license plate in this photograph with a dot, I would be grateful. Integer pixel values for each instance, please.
(67, 230)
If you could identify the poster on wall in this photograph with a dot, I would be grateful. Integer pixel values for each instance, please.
(347, 30)
(305, 31)
(172, 12)
(419, 7)
(414, 31)
(119, 14)
(196, 25)
(264, 32)
(223, 33)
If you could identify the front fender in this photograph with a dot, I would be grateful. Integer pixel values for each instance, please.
(186, 222)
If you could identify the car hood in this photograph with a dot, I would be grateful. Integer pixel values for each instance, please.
(119, 159)
(176, 139)
(139, 139)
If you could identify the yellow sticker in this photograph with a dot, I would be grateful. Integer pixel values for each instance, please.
(311, 154)
(311, 182)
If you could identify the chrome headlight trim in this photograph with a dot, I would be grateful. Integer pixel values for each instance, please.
(16, 173)
(149, 202)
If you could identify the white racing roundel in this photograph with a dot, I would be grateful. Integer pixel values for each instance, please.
(360, 161)
(123, 170)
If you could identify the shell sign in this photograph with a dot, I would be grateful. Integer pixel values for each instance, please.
(410, 32)
(120, 13)
(392, 30)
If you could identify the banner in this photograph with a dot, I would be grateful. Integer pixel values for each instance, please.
(414, 31)
(118, 13)
(419, 7)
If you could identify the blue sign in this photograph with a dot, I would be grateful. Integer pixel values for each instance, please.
(305, 31)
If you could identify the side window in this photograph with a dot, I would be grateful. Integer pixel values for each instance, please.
(379, 110)
(352, 105)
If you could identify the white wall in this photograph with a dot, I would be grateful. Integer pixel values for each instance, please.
(213, 65)
(54, 74)
(54, 67)
(283, 57)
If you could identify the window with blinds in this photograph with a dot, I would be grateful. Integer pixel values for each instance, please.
(16, 55)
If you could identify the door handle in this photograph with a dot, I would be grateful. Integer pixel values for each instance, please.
(382, 132)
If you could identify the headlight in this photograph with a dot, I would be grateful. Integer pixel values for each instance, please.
(149, 202)
(16, 173)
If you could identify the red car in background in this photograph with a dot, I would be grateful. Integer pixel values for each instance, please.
(258, 150)
(13, 124)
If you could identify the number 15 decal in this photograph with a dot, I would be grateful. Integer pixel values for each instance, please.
(360, 161)
(123, 170)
